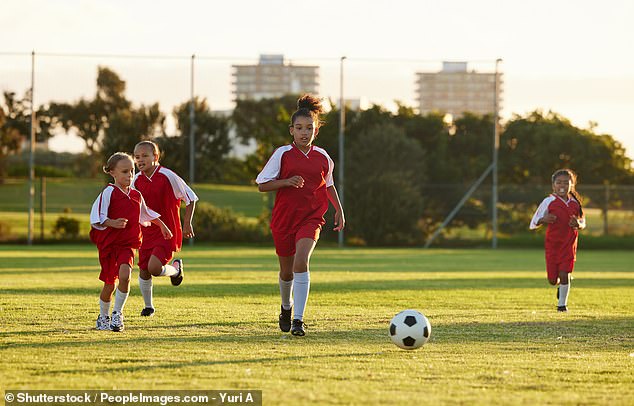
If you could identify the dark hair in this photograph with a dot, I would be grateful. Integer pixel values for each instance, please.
(308, 106)
(573, 191)
(114, 160)
(150, 144)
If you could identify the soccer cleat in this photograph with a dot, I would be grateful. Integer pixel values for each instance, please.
(103, 322)
(117, 322)
(178, 279)
(147, 312)
(285, 320)
(562, 308)
(298, 328)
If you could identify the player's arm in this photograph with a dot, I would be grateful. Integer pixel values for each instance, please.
(542, 216)
(188, 228)
(167, 234)
(294, 181)
(340, 218)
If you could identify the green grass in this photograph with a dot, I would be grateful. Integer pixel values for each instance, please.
(496, 338)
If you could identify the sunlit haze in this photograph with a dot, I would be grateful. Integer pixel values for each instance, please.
(572, 57)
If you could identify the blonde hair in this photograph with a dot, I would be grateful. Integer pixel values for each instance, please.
(114, 159)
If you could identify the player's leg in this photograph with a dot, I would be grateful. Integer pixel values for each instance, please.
(109, 276)
(301, 282)
(103, 320)
(158, 264)
(145, 282)
(125, 260)
(564, 286)
(285, 249)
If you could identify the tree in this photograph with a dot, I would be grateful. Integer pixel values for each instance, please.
(383, 196)
(212, 142)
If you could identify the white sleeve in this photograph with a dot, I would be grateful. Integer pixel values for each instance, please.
(331, 167)
(99, 211)
(272, 168)
(541, 211)
(181, 190)
(147, 214)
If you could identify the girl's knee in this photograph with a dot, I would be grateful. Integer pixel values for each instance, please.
(553, 281)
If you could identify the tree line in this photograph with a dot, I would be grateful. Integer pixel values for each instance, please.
(399, 165)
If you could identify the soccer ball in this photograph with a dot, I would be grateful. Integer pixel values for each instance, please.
(409, 329)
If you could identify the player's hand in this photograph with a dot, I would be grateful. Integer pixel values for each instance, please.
(188, 231)
(549, 218)
(295, 181)
(574, 222)
(340, 221)
(167, 234)
(118, 223)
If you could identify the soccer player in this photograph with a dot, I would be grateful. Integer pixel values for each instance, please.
(116, 218)
(163, 190)
(563, 214)
(301, 173)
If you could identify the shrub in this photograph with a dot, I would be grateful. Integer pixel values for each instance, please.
(66, 227)
(5, 230)
(212, 223)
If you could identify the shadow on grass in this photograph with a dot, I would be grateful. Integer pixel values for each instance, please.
(221, 290)
(615, 330)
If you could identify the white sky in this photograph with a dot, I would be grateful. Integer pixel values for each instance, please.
(574, 57)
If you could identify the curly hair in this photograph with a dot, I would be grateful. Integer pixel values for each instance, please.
(308, 106)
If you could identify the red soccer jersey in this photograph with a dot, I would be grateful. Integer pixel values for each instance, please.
(163, 192)
(113, 203)
(561, 239)
(295, 207)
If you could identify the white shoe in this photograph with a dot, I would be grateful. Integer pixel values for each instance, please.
(117, 322)
(103, 322)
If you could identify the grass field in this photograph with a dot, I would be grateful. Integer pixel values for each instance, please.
(496, 337)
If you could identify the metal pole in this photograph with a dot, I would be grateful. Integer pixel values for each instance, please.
(496, 148)
(42, 205)
(31, 154)
(342, 123)
(192, 157)
(192, 133)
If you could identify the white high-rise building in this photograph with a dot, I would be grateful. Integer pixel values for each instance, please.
(272, 77)
(455, 90)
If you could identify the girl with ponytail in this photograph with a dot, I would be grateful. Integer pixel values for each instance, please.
(301, 174)
(563, 214)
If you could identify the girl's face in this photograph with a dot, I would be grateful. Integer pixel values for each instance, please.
(123, 173)
(562, 186)
(304, 131)
(145, 158)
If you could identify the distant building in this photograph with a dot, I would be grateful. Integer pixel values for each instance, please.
(454, 90)
(272, 77)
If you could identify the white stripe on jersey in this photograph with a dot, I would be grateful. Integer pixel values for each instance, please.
(331, 166)
(272, 168)
(181, 190)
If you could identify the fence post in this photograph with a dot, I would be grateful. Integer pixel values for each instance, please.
(606, 203)
(42, 205)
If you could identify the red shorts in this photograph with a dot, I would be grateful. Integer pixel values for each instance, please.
(112, 260)
(285, 242)
(553, 267)
(162, 251)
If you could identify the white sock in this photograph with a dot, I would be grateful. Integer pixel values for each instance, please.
(563, 294)
(104, 308)
(301, 287)
(286, 288)
(169, 270)
(146, 291)
(119, 301)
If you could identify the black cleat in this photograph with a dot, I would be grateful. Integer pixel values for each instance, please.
(285, 320)
(298, 328)
(147, 312)
(178, 279)
(562, 308)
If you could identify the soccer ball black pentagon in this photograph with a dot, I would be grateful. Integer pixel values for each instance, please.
(409, 329)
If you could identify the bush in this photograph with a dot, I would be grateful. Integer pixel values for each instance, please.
(5, 231)
(212, 223)
(66, 228)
